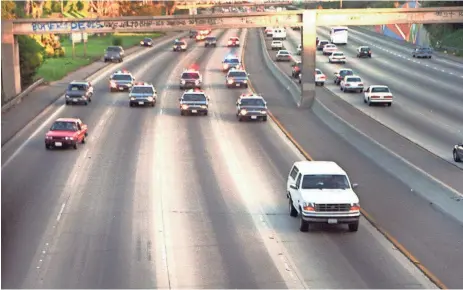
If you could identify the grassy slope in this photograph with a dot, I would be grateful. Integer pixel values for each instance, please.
(56, 68)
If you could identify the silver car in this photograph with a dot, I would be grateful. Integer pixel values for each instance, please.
(352, 84)
(422, 52)
(283, 55)
(458, 152)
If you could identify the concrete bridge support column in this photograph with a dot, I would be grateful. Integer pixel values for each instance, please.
(11, 77)
(309, 31)
(193, 11)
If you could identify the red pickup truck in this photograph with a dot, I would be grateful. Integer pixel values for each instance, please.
(66, 132)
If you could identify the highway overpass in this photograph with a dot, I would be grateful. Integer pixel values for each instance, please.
(308, 19)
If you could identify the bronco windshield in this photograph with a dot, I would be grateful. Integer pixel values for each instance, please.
(325, 182)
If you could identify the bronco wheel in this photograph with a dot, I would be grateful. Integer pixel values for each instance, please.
(303, 225)
(292, 209)
(75, 145)
(354, 227)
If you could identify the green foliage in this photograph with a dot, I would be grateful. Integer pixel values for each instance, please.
(117, 41)
(30, 58)
(80, 5)
(8, 9)
(56, 6)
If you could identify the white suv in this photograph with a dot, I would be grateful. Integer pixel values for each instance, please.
(277, 44)
(320, 192)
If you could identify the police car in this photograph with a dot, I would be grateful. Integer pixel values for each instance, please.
(121, 80)
(190, 78)
(194, 101)
(236, 78)
(179, 45)
(231, 62)
(251, 107)
(142, 94)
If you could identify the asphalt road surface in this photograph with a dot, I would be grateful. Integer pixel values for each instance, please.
(427, 233)
(159, 200)
(428, 103)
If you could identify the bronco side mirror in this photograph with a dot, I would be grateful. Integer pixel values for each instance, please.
(293, 186)
(354, 185)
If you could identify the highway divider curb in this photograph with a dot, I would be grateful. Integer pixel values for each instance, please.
(16, 100)
(323, 113)
(132, 55)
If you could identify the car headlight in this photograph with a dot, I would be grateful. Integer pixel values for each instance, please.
(243, 112)
(225, 66)
(129, 85)
(308, 206)
(141, 42)
(182, 82)
(48, 137)
(184, 107)
(66, 96)
(106, 55)
(150, 99)
(113, 84)
(197, 82)
(203, 106)
(230, 81)
(263, 112)
(68, 138)
(245, 81)
(132, 99)
(355, 207)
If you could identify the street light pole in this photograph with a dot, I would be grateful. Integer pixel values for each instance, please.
(340, 4)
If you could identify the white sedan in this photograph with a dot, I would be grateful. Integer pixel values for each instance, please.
(283, 55)
(338, 57)
(352, 84)
(378, 95)
(320, 77)
(329, 49)
(277, 44)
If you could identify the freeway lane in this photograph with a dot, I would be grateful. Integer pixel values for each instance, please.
(428, 234)
(261, 154)
(428, 105)
(30, 209)
(449, 65)
(155, 199)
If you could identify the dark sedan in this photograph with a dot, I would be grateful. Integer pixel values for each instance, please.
(458, 152)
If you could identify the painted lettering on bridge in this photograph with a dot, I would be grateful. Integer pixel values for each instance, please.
(60, 26)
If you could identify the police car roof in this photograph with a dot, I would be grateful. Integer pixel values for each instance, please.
(194, 91)
(191, 70)
(251, 96)
(143, 84)
(79, 82)
(236, 69)
(67, 120)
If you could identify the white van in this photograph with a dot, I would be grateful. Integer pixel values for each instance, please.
(279, 33)
(321, 192)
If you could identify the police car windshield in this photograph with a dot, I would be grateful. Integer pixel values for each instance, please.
(194, 97)
(354, 80)
(113, 48)
(122, 77)
(64, 126)
(380, 90)
(147, 39)
(232, 60)
(179, 43)
(194, 76)
(77, 87)
(346, 72)
(325, 182)
(240, 74)
(142, 90)
(253, 102)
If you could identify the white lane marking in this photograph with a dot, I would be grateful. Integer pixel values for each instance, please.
(104, 73)
(59, 215)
